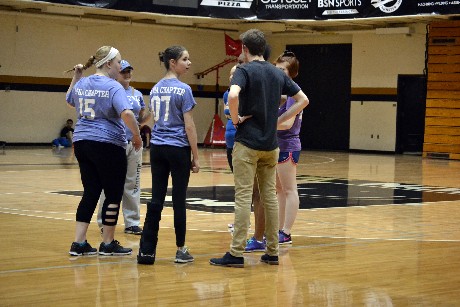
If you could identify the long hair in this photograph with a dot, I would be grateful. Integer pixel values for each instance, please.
(100, 54)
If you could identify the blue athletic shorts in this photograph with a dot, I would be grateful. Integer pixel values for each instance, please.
(289, 155)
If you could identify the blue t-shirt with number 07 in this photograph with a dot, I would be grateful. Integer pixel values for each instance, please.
(169, 100)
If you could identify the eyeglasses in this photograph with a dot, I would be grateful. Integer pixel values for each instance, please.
(288, 53)
(126, 71)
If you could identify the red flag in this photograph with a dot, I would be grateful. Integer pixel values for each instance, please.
(216, 133)
(232, 47)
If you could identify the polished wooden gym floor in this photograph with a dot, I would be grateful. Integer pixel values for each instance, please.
(374, 230)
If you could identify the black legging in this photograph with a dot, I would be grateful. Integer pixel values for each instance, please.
(229, 157)
(102, 166)
(165, 160)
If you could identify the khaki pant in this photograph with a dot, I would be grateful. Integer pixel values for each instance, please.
(247, 163)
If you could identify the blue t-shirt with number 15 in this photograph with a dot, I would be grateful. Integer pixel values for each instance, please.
(99, 102)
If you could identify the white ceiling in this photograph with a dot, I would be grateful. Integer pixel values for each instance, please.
(27, 7)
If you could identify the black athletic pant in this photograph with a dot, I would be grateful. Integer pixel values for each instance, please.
(167, 160)
(102, 166)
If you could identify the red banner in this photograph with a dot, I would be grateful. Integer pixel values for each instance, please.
(232, 47)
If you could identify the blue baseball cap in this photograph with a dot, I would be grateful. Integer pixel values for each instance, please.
(124, 65)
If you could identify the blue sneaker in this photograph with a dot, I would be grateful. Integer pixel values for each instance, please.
(284, 238)
(254, 246)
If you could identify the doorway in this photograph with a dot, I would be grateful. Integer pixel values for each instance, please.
(410, 122)
(325, 77)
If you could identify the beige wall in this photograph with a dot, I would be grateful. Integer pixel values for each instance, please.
(378, 59)
(47, 46)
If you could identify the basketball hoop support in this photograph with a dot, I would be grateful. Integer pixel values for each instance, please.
(216, 67)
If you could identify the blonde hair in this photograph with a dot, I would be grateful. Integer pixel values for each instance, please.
(100, 54)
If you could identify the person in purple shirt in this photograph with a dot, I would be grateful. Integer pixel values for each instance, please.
(173, 150)
(131, 201)
(290, 147)
(99, 141)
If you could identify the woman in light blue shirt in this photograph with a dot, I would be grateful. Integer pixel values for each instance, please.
(99, 141)
(173, 150)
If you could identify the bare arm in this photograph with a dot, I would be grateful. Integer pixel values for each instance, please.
(226, 108)
(190, 130)
(144, 116)
(301, 101)
(78, 73)
(130, 121)
(283, 99)
(287, 124)
(233, 102)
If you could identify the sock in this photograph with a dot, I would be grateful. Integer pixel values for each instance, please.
(107, 243)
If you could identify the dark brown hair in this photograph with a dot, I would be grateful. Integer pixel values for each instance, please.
(171, 53)
(254, 40)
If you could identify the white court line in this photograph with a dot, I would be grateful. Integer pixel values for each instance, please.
(70, 266)
(224, 231)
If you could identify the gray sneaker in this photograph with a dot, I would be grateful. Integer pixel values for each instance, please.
(183, 256)
(135, 230)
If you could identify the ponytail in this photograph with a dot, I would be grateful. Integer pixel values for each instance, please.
(88, 64)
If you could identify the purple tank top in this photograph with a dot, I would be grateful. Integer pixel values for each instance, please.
(288, 140)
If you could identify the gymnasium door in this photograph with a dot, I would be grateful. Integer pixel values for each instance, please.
(410, 123)
(325, 77)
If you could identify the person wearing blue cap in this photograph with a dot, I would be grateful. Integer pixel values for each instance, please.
(132, 191)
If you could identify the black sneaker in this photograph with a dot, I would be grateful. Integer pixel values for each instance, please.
(145, 258)
(113, 249)
(273, 260)
(135, 230)
(228, 260)
(77, 249)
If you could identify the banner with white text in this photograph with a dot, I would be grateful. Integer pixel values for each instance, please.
(278, 9)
